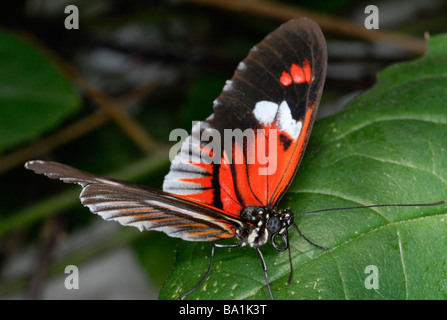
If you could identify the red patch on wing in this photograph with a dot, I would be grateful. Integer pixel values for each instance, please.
(298, 74)
(285, 79)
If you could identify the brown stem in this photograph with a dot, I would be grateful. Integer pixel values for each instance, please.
(328, 23)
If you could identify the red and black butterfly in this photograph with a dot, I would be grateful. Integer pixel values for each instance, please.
(274, 93)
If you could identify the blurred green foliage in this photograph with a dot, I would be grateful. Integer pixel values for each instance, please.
(34, 96)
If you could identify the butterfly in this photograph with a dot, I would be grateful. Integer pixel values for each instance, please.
(269, 106)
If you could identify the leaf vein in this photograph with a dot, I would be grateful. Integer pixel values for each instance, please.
(403, 264)
(363, 125)
(402, 164)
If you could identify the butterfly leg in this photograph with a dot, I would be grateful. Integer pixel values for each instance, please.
(264, 267)
(291, 267)
(308, 241)
(209, 267)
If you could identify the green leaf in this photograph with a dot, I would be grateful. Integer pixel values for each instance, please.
(34, 95)
(388, 146)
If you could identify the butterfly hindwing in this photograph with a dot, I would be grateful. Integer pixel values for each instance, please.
(143, 207)
(271, 103)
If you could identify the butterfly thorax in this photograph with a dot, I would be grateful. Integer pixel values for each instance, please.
(264, 224)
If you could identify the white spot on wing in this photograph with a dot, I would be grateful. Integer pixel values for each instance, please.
(228, 85)
(242, 66)
(265, 112)
(268, 112)
(286, 122)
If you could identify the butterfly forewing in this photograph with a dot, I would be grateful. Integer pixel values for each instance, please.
(143, 207)
(271, 101)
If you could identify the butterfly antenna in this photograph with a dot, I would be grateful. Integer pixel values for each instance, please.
(264, 267)
(351, 208)
(374, 206)
(291, 264)
(307, 240)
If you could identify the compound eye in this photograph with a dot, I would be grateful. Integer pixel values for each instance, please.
(274, 225)
(288, 216)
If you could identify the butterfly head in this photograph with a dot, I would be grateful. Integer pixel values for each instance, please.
(264, 224)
